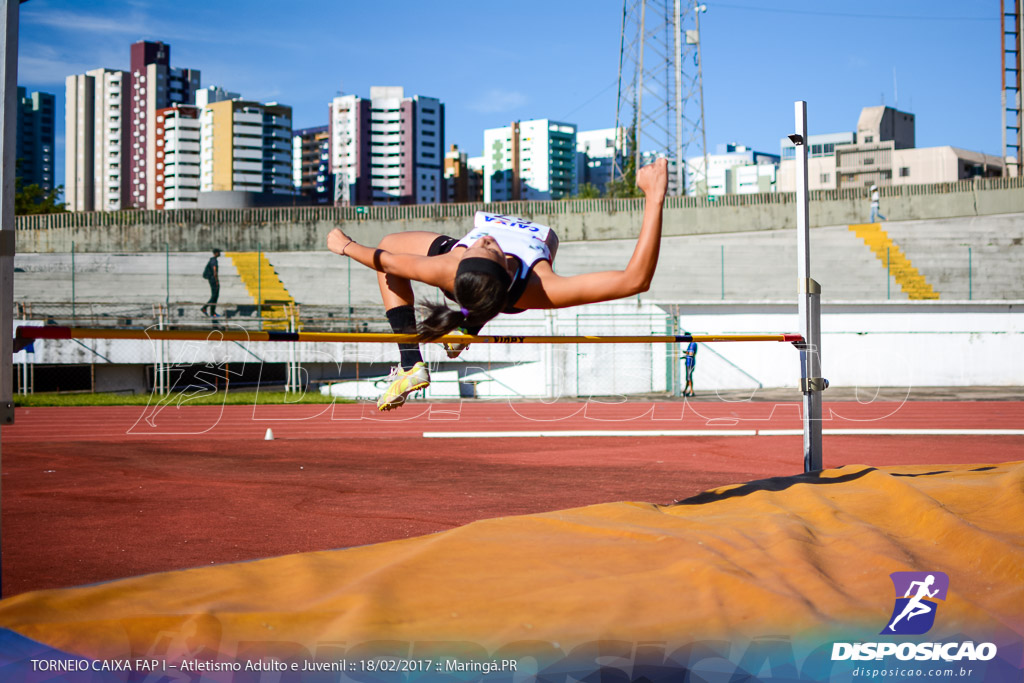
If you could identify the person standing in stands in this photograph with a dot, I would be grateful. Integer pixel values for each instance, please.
(691, 365)
(212, 275)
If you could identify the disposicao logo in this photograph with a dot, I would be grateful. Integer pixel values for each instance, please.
(914, 612)
(916, 603)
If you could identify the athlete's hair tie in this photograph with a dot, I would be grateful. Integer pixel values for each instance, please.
(465, 313)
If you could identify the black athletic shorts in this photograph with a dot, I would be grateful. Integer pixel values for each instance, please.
(442, 245)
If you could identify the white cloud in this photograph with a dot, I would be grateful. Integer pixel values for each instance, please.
(46, 65)
(496, 100)
(83, 22)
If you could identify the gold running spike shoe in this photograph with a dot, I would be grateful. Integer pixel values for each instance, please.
(403, 383)
(454, 349)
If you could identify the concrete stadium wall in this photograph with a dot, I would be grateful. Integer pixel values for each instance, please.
(305, 228)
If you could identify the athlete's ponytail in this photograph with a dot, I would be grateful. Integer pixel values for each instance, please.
(481, 288)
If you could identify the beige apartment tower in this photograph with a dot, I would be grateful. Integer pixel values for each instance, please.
(95, 141)
(246, 147)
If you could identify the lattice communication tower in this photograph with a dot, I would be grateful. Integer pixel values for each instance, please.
(661, 83)
(1011, 14)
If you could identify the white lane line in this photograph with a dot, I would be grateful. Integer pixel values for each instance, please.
(897, 432)
(926, 432)
(591, 432)
(721, 432)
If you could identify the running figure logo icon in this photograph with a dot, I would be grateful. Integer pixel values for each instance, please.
(916, 595)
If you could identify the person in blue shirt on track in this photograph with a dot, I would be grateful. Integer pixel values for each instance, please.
(503, 265)
(691, 365)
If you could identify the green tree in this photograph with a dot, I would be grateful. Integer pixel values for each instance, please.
(30, 199)
(587, 191)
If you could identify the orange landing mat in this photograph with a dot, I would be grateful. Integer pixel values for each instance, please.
(805, 556)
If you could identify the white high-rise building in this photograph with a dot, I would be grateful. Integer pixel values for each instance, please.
(733, 169)
(388, 149)
(214, 93)
(154, 85)
(177, 157)
(597, 152)
(95, 141)
(530, 160)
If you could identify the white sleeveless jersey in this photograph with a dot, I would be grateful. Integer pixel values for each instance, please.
(528, 241)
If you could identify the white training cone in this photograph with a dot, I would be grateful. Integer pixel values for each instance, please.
(270, 435)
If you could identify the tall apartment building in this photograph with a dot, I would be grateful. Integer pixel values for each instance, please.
(177, 168)
(733, 169)
(311, 164)
(110, 148)
(881, 152)
(246, 147)
(821, 160)
(869, 161)
(34, 148)
(95, 141)
(530, 160)
(596, 154)
(154, 85)
(462, 182)
(387, 149)
(214, 93)
(475, 191)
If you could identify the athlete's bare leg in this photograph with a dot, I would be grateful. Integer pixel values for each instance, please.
(397, 291)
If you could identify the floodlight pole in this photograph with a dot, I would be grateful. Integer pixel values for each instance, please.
(808, 306)
(8, 135)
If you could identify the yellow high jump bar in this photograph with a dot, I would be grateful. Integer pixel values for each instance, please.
(26, 333)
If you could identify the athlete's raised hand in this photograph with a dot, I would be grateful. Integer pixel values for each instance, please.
(653, 179)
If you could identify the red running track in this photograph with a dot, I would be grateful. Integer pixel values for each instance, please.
(93, 494)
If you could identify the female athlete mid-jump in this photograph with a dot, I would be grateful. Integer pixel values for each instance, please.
(504, 265)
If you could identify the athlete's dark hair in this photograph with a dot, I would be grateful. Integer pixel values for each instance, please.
(481, 288)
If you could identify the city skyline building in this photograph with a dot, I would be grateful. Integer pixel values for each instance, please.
(881, 152)
(311, 163)
(246, 147)
(530, 160)
(870, 160)
(462, 182)
(96, 141)
(214, 93)
(154, 85)
(34, 145)
(598, 153)
(733, 169)
(388, 149)
(177, 168)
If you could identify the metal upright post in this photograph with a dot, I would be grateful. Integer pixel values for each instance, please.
(259, 283)
(73, 283)
(809, 306)
(677, 31)
(159, 377)
(970, 276)
(640, 85)
(697, 9)
(8, 135)
(290, 385)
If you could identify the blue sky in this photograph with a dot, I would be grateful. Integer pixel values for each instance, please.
(491, 63)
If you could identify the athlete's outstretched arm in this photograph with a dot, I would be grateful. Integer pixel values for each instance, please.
(430, 270)
(549, 290)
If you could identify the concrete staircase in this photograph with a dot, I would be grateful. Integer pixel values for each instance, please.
(888, 252)
(265, 288)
